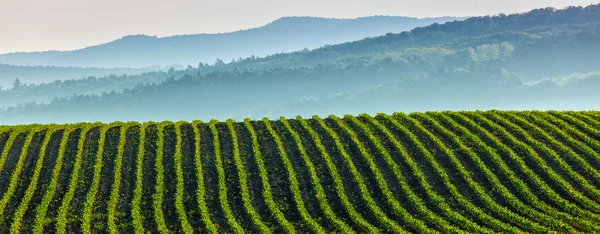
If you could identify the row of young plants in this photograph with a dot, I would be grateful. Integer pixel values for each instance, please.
(434, 198)
(61, 220)
(294, 186)
(210, 227)
(42, 208)
(88, 206)
(507, 128)
(316, 182)
(568, 211)
(469, 143)
(581, 117)
(243, 180)
(527, 129)
(509, 140)
(14, 133)
(592, 114)
(513, 147)
(7, 194)
(489, 202)
(575, 127)
(159, 187)
(554, 126)
(385, 222)
(136, 203)
(397, 208)
(116, 185)
(180, 190)
(584, 131)
(17, 220)
(224, 201)
(356, 217)
(479, 213)
(266, 187)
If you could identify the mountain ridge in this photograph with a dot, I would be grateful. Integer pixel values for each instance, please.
(283, 35)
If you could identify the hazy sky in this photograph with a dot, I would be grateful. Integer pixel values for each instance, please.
(37, 25)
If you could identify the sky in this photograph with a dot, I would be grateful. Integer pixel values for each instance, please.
(40, 25)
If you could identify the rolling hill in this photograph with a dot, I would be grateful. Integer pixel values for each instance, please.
(48, 74)
(411, 71)
(460, 172)
(522, 61)
(497, 71)
(284, 35)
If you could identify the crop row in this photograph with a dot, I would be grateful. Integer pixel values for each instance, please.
(435, 172)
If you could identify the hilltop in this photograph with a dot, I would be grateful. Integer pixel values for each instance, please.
(284, 35)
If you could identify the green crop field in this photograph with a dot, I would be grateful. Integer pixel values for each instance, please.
(435, 172)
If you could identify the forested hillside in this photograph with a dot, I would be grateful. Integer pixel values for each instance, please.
(435, 172)
(531, 60)
(48, 74)
(46, 92)
(442, 34)
(284, 35)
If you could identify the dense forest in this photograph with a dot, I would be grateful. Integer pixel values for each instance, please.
(22, 75)
(45, 92)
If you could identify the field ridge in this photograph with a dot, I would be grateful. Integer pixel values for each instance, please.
(432, 172)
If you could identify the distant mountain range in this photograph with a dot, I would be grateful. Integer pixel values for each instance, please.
(283, 35)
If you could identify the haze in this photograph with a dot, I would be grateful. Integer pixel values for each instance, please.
(30, 25)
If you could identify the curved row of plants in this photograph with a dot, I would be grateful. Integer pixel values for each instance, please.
(398, 210)
(434, 198)
(61, 222)
(507, 216)
(339, 186)
(526, 129)
(42, 208)
(435, 172)
(243, 178)
(231, 221)
(294, 187)
(542, 129)
(565, 187)
(482, 216)
(565, 211)
(467, 144)
(25, 201)
(316, 181)
(266, 187)
(90, 198)
(508, 143)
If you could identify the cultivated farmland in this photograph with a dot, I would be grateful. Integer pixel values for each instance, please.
(435, 172)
